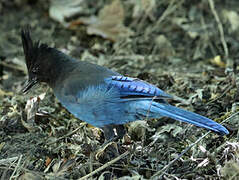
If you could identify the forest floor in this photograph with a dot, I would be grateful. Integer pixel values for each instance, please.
(188, 48)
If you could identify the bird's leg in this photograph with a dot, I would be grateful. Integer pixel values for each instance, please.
(120, 129)
(109, 144)
(109, 133)
(109, 149)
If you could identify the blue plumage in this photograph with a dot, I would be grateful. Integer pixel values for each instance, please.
(116, 102)
(133, 86)
(99, 96)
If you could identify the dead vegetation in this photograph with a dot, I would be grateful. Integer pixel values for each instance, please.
(188, 48)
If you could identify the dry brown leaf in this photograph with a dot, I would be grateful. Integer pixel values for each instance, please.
(233, 18)
(164, 46)
(4, 93)
(230, 169)
(48, 161)
(109, 23)
(61, 167)
(218, 61)
(29, 176)
(143, 7)
(31, 109)
(61, 9)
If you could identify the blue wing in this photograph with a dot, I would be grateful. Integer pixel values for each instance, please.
(123, 99)
(143, 107)
(132, 86)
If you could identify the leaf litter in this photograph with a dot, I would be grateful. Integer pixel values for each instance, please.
(187, 48)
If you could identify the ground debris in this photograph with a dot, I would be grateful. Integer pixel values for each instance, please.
(187, 48)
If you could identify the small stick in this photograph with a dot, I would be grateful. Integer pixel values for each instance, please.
(179, 156)
(8, 160)
(220, 27)
(105, 166)
(161, 172)
(16, 168)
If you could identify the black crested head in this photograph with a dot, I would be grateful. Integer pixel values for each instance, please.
(32, 50)
(43, 62)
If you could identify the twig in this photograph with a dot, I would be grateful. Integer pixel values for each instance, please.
(225, 92)
(105, 166)
(170, 9)
(13, 67)
(204, 27)
(39, 174)
(232, 116)
(8, 160)
(161, 172)
(16, 167)
(69, 134)
(220, 27)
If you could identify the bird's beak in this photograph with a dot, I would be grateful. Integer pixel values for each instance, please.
(30, 83)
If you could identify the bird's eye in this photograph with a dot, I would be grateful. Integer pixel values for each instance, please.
(35, 70)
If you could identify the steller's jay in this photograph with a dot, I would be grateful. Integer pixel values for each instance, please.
(99, 96)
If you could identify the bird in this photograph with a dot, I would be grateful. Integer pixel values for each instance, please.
(99, 96)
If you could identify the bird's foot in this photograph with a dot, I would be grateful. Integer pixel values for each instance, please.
(107, 152)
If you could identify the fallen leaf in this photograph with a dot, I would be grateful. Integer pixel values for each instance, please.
(109, 23)
(61, 167)
(61, 9)
(29, 176)
(230, 169)
(143, 7)
(233, 18)
(218, 61)
(4, 93)
(164, 46)
(191, 28)
(31, 109)
(48, 161)
(137, 129)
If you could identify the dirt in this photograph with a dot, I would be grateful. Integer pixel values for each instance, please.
(187, 48)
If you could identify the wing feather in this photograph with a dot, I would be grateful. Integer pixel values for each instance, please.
(135, 87)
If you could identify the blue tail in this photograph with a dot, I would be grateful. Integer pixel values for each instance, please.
(186, 116)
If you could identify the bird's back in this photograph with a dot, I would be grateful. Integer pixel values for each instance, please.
(82, 75)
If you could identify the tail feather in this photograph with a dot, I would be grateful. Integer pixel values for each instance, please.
(188, 117)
